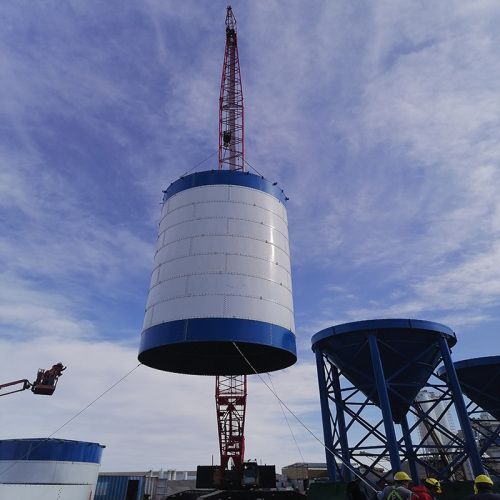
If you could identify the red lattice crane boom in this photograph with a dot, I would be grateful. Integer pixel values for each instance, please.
(231, 129)
(230, 397)
(231, 391)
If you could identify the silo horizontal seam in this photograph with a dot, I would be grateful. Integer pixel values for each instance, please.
(215, 316)
(258, 297)
(190, 253)
(235, 254)
(229, 219)
(286, 287)
(286, 283)
(212, 202)
(231, 235)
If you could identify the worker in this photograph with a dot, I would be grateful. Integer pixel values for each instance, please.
(380, 488)
(400, 489)
(427, 491)
(483, 489)
(54, 373)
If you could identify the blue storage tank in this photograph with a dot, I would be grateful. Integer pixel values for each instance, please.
(408, 350)
(45, 469)
(388, 361)
(220, 300)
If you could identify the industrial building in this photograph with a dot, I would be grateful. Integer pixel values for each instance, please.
(153, 485)
(159, 484)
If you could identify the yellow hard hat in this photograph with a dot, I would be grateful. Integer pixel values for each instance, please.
(483, 478)
(401, 476)
(433, 483)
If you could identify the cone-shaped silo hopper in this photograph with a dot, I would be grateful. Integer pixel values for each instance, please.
(479, 379)
(408, 351)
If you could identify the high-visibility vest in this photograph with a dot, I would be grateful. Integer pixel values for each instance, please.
(393, 495)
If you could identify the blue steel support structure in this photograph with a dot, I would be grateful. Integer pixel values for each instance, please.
(347, 474)
(325, 417)
(479, 380)
(461, 409)
(383, 365)
(392, 442)
(410, 451)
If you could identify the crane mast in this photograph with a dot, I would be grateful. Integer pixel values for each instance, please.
(231, 129)
(230, 396)
(231, 390)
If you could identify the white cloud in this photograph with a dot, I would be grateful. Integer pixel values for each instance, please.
(380, 122)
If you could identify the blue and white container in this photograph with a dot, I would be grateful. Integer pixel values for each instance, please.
(220, 300)
(48, 469)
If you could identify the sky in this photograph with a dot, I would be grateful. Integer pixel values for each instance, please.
(381, 122)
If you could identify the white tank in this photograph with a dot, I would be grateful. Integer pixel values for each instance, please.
(48, 469)
(221, 278)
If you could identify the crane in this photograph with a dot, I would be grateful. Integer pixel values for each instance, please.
(235, 479)
(231, 391)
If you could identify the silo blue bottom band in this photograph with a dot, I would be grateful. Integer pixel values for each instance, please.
(206, 347)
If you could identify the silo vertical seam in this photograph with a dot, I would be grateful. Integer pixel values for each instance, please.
(151, 315)
(224, 307)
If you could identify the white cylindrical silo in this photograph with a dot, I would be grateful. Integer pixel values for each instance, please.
(45, 469)
(220, 300)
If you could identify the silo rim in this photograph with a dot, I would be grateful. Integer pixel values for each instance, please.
(473, 362)
(225, 177)
(378, 324)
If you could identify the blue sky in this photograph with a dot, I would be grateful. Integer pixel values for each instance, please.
(379, 119)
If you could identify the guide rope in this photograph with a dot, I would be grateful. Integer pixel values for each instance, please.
(71, 419)
(198, 164)
(333, 452)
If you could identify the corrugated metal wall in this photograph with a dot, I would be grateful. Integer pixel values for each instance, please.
(120, 488)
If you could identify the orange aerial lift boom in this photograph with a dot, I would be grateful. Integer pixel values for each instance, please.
(45, 383)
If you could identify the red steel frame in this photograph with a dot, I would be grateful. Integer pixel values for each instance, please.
(230, 398)
(231, 129)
